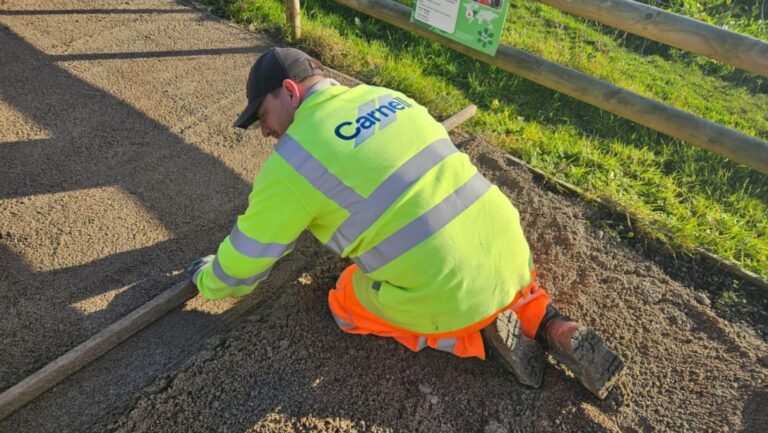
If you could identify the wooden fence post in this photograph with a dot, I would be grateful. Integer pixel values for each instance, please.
(293, 18)
(708, 135)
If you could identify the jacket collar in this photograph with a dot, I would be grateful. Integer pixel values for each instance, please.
(320, 85)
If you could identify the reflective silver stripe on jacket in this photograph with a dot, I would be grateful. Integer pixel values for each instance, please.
(365, 212)
(343, 324)
(233, 282)
(424, 226)
(446, 344)
(312, 170)
(422, 343)
(254, 249)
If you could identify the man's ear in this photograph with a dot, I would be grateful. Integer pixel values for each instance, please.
(294, 92)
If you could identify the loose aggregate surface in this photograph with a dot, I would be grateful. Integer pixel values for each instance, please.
(119, 166)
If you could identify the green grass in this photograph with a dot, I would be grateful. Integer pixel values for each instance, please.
(700, 198)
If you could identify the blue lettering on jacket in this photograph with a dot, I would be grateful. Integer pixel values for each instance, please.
(368, 116)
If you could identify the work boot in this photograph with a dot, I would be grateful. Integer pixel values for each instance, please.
(520, 354)
(584, 353)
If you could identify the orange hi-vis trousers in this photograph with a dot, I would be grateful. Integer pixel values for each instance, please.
(530, 304)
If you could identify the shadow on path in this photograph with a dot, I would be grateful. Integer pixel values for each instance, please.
(94, 12)
(97, 140)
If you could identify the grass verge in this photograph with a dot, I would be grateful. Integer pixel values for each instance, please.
(698, 198)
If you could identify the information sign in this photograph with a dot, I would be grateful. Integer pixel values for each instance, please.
(475, 23)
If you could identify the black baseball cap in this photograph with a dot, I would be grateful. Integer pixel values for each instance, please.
(268, 73)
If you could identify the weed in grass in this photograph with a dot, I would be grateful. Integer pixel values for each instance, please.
(729, 299)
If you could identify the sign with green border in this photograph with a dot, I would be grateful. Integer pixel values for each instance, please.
(474, 23)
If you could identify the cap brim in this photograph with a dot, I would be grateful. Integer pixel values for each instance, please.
(250, 115)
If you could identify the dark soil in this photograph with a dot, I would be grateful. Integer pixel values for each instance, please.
(286, 367)
(118, 166)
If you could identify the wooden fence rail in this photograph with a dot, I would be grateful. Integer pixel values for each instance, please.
(692, 35)
(676, 123)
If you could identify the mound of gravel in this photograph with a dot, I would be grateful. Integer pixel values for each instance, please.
(286, 367)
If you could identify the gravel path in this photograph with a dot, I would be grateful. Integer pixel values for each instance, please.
(119, 165)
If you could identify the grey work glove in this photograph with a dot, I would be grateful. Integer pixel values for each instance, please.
(194, 269)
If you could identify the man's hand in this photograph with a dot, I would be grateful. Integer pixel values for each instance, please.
(198, 265)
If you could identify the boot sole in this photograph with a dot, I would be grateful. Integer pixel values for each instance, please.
(520, 354)
(592, 362)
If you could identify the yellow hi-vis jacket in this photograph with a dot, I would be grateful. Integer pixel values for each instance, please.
(374, 177)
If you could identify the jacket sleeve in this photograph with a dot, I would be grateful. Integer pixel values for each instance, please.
(267, 231)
